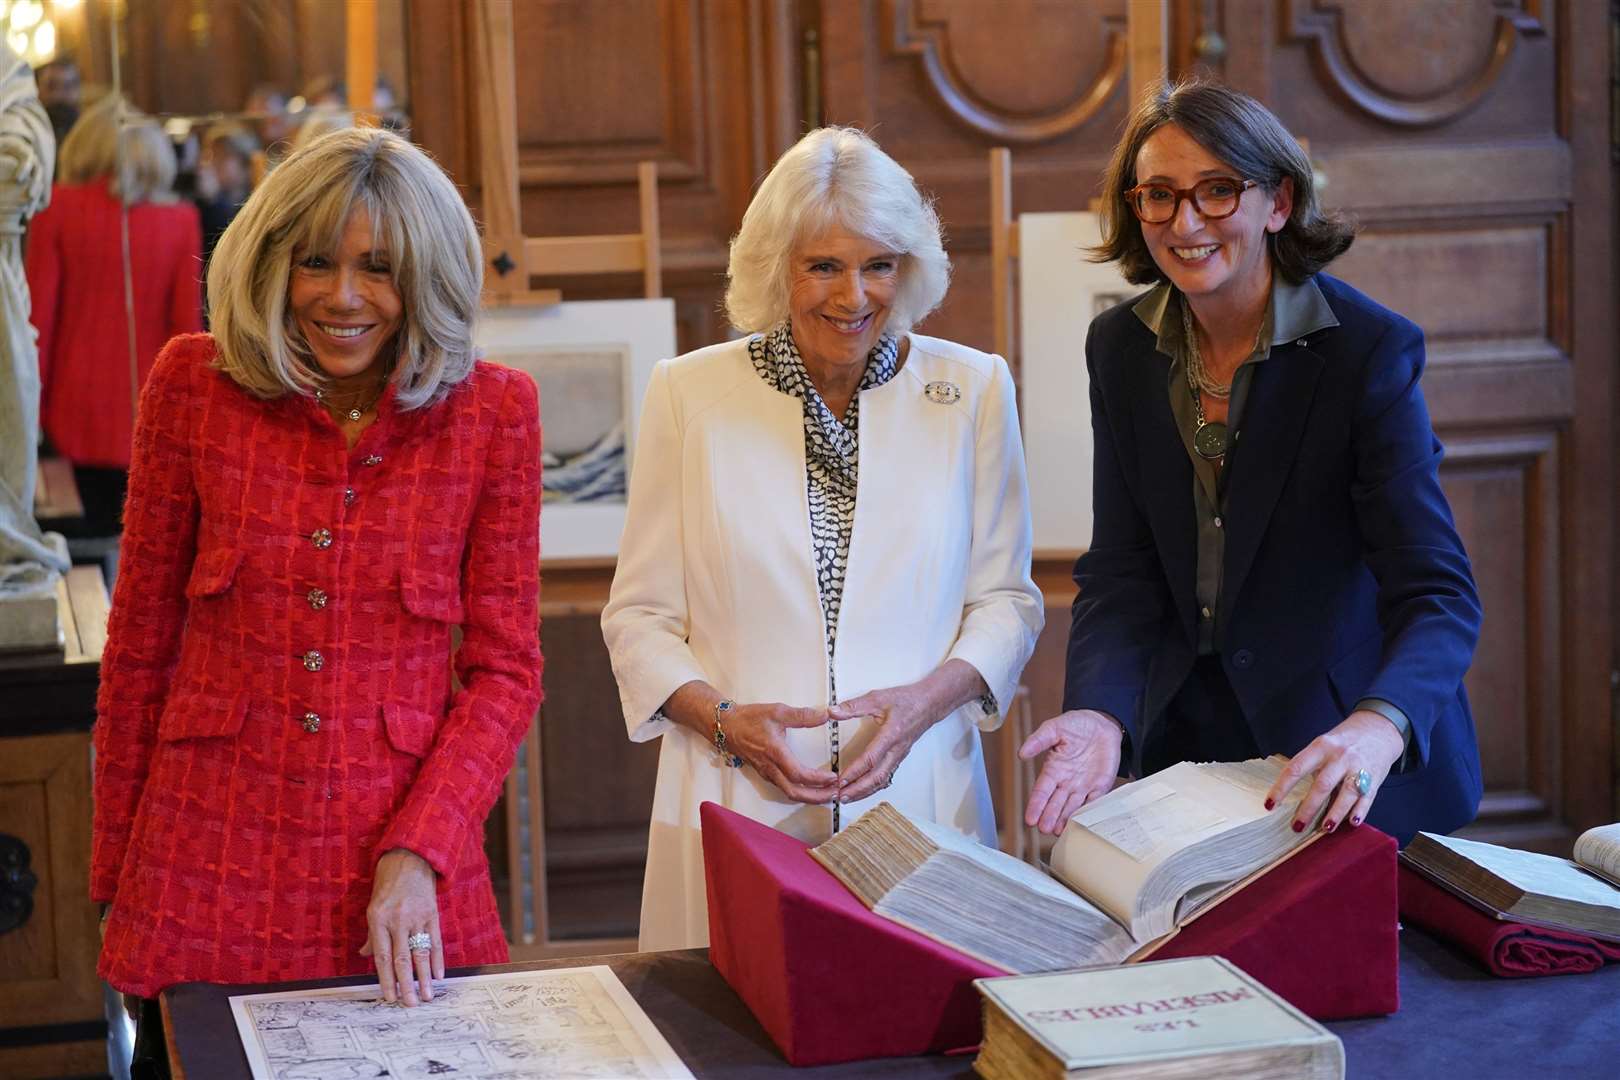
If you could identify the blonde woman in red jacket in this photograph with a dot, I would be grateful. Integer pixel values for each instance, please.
(286, 786)
(75, 269)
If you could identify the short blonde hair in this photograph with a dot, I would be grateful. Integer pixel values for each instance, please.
(835, 176)
(416, 214)
(90, 153)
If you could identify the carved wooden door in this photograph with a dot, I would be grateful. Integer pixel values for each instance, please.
(1470, 139)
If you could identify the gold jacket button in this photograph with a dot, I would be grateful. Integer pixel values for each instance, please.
(312, 722)
(313, 661)
(317, 598)
(371, 460)
(321, 538)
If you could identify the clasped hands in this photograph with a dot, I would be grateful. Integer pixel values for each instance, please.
(1084, 754)
(759, 734)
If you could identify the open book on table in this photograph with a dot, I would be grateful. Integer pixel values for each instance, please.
(1580, 894)
(1128, 870)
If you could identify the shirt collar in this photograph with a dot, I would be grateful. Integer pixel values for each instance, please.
(1296, 311)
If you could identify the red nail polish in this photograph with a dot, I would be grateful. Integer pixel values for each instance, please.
(1328, 825)
(1355, 821)
(1271, 803)
(1299, 826)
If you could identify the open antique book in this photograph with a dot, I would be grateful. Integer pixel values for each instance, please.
(1127, 871)
(1580, 894)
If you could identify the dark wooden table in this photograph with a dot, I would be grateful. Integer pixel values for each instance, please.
(1455, 1023)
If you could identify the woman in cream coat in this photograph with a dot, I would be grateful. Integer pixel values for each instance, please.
(823, 591)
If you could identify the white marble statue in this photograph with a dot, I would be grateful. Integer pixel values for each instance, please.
(29, 563)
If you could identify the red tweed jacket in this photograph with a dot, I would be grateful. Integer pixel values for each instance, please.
(275, 707)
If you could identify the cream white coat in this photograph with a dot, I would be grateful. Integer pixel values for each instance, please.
(716, 581)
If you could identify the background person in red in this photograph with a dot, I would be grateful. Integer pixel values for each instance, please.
(286, 787)
(75, 273)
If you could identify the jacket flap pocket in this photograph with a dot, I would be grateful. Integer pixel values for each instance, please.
(431, 594)
(1353, 672)
(410, 730)
(213, 571)
(202, 716)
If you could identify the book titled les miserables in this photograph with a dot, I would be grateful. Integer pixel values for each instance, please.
(1200, 1017)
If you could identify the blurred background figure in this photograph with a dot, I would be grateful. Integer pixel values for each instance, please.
(225, 177)
(61, 91)
(266, 110)
(318, 121)
(75, 272)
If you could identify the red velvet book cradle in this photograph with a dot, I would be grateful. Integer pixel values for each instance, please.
(830, 981)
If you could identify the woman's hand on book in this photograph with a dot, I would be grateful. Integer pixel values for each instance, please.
(1083, 763)
(1363, 740)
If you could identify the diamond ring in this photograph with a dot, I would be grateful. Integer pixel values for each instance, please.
(421, 941)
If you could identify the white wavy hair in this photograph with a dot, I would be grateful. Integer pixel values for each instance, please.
(835, 176)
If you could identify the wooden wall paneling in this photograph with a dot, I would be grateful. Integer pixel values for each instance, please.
(1461, 139)
(48, 963)
(439, 85)
(1505, 485)
(940, 82)
(1586, 120)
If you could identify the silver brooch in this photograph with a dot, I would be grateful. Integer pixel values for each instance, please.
(943, 393)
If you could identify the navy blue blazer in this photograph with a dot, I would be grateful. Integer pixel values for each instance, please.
(1344, 577)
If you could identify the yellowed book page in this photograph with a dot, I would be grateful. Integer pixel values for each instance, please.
(1599, 851)
(1545, 875)
(1149, 1012)
(1123, 836)
(1016, 870)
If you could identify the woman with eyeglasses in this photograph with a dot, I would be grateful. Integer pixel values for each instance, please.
(1274, 567)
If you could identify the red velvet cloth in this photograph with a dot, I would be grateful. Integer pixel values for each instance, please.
(1508, 950)
(828, 979)
(1321, 929)
(831, 981)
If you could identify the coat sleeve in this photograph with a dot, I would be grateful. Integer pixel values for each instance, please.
(1004, 611)
(1119, 614)
(42, 263)
(1428, 607)
(499, 664)
(185, 292)
(148, 610)
(646, 623)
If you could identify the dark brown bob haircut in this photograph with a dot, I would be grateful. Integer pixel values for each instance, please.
(1242, 133)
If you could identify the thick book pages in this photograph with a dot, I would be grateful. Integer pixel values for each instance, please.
(1524, 885)
(1599, 851)
(1198, 1017)
(1154, 852)
(984, 902)
(1140, 861)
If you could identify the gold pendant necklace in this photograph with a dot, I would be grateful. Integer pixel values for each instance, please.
(356, 410)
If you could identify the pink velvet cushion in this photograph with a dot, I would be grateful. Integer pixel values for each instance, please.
(1321, 929)
(827, 979)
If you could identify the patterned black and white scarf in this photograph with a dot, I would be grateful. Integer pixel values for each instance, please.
(832, 466)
